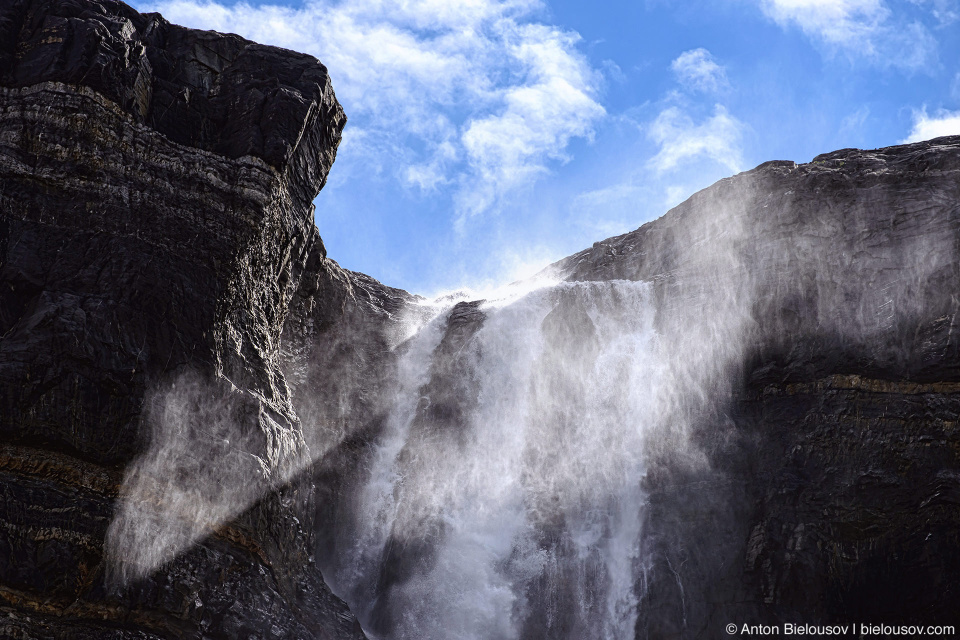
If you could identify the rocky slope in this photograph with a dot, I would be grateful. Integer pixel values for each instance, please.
(156, 188)
(830, 488)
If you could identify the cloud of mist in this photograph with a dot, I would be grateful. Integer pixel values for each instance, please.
(214, 451)
(480, 451)
(509, 477)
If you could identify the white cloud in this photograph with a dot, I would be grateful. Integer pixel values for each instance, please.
(430, 175)
(718, 138)
(472, 95)
(837, 22)
(854, 122)
(926, 127)
(697, 70)
(506, 149)
(866, 29)
(613, 71)
(945, 11)
(693, 145)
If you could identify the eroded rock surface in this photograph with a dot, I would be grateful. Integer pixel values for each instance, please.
(831, 483)
(156, 188)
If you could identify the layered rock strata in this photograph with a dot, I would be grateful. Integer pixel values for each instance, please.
(156, 188)
(830, 482)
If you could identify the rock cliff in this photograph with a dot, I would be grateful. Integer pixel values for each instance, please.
(830, 489)
(156, 188)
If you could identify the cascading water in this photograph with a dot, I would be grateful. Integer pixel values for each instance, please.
(503, 498)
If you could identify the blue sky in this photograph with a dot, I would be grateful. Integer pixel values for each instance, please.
(487, 138)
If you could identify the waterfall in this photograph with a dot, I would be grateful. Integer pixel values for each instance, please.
(504, 497)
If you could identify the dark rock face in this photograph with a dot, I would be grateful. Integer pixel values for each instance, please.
(215, 92)
(155, 225)
(831, 486)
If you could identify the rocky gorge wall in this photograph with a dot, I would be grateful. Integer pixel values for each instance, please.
(156, 188)
(198, 407)
(797, 417)
(829, 489)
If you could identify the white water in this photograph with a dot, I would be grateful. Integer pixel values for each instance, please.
(531, 491)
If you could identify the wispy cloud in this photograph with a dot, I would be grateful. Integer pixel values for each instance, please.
(690, 142)
(945, 11)
(476, 96)
(680, 139)
(697, 70)
(859, 29)
(613, 71)
(682, 132)
(536, 118)
(926, 127)
(854, 122)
